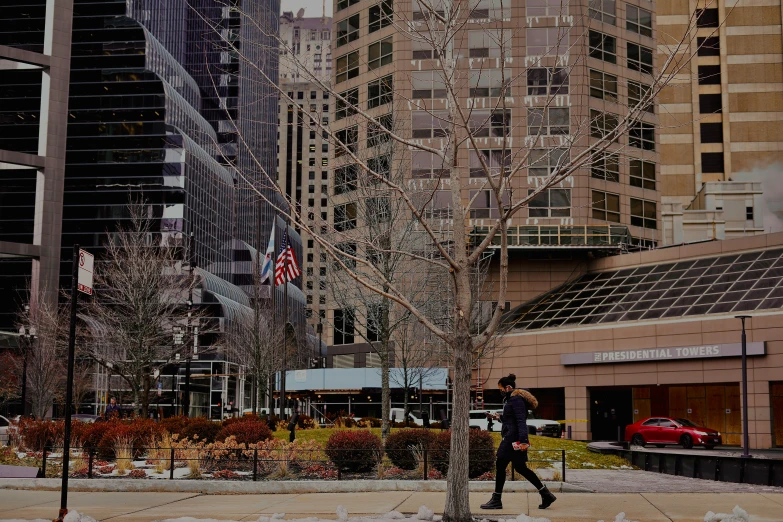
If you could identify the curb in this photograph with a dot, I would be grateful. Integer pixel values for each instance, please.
(223, 487)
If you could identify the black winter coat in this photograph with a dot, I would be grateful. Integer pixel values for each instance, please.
(514, 419)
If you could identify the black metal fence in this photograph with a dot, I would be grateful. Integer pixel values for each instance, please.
(259, 463)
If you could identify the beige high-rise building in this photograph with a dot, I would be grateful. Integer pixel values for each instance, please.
(571, 71)
(302, 149)
(722, 119)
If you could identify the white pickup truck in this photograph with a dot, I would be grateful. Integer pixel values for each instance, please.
(535, 426)
(398, 415)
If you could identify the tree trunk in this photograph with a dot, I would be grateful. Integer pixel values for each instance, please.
(457, 503)
(385, 393)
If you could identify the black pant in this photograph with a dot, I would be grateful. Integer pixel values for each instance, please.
(292, 436)
(520, 466)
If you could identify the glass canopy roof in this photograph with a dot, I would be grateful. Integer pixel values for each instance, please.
(730, 283)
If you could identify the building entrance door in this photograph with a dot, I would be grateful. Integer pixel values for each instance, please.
(776, 389)
(610, 410)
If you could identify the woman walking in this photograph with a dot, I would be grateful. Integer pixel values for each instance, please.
(513, 447)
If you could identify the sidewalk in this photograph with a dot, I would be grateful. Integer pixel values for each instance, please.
(570, 507)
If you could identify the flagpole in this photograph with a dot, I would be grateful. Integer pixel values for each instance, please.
(285, 323)
(273, 286)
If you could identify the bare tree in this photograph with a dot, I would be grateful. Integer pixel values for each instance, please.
(254, 341)
(481, 165)
(10, 378)
(140, 296)
(45, 355)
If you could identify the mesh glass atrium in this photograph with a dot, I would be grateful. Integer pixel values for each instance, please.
(730, 283)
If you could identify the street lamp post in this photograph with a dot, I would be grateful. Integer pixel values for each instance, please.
(28, 334)
(745, 437)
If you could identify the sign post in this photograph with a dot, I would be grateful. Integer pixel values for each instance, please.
(81, 281)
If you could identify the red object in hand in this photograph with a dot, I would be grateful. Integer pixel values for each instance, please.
(518, 446)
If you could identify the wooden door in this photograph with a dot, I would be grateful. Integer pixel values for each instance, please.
(716, 408)
(678, 402)
(697, 405)
(641, 403)
(733, 434)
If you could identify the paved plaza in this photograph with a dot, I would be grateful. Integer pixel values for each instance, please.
(570, 507)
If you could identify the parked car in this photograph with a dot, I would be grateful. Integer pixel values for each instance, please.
(4, 425)
(398, 415)
(535, 426)
(665, 430)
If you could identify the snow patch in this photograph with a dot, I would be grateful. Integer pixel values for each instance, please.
(342, 513)
(75, 516)
(737, 515)
(393, 515)
(525, 518)
(619, 518)
(425, 513)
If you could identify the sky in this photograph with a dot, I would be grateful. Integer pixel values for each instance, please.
(312, 7)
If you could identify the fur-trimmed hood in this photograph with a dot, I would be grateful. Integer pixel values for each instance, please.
(529, 398)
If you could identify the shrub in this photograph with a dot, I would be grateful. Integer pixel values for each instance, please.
(369, 422)
(398, 446)
(94, 433)
(354, 450)
(36, 434)
(305, 422)
(249, 430)
(140, 434)
(174, 425)
(481, 458)
(201, 429)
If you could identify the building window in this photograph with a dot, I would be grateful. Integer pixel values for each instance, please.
(603, 10)
(324, 148)
(378, 131)
(344, 4)
(346, 140)
(543, 41)
(381, 15)
(606, 206)
(542, 162)
(427, 165)
(642, 174)
(484, 204)
(428, 85)
(709, 74)
(639, 96)
(749, 213)
(422, 48)
(546, 80)
(380, 92)
(547, 121)
(550, 203)
(643, 213)
(496, 160)
(602, 123)
(711, 132)
(710, 104)
(422, 13)
(640, 58)
(349, 249)
(345, 178)
(489, 10)
(603, 85)
(377, 210)
(638, 20)
(490, 43)
(348, 30)
(347, 67)
(546, 8)
(485, 124)
(348, 107)
(707, 18)
(429, 124)
(343, 332)
(641, 135)
(603, 47)
(712, 162)
(345, 217)
(379, 53)
(490, 82)
(605, 166)
(709, 46)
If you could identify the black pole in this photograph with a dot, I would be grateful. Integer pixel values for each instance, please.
(186, 398)
(745, 436)
(421, 407)
(69, 385)
(24, 382)
(189, 353)
(283, 401)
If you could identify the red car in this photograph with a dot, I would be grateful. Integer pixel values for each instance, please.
(664, 430)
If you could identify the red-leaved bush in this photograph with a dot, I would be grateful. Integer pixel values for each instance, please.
(354, 450)
(201, 429)
(481, 447)
(248, 430)
(401, 446)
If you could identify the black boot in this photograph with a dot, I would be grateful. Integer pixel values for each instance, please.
(494, 502)
(547, 498)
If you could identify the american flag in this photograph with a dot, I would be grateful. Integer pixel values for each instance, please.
(286, 261)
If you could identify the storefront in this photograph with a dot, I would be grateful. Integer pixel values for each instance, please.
(655, 333)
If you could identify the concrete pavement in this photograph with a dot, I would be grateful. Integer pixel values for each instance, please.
(570, 507)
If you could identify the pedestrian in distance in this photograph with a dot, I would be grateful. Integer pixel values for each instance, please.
(292, 426)
(112, 410)
(515, 443)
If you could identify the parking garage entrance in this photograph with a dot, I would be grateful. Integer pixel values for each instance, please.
(611, 410)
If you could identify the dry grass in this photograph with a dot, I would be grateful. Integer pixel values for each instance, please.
(160, 453)
(123, 453)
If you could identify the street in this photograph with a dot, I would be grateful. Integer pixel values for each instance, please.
(570, 507)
